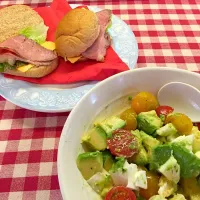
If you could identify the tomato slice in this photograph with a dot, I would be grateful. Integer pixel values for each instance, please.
(120, 193)
(164, 110)
(123, 143)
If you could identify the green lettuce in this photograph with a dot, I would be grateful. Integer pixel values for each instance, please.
(109, 26)
(3, 66)
(38, 33)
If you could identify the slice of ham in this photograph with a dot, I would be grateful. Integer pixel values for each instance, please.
(27, 49)
(98, 50)
(11, 59)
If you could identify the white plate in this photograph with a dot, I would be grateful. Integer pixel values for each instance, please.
(62, 98)
(72, 184)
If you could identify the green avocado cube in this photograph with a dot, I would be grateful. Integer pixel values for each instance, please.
(90, 163)
(141, 158)
(168, 129)
(149, 122)
(95, 139)
(101, 183)
(111, 124)
(108, 160)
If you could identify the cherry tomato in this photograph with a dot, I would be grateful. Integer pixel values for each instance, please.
(152, 185)
(130, 117)
(198, 125)
(120, 193)
(123, 143)
(143, 102)
(182, 122)
(164, 110)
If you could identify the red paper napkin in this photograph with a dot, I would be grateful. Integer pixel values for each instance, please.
(67, 72)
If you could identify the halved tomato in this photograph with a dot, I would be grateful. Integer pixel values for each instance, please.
(120, 193)
(143, 102)
(123, 143)
(164, 110)
(182, 122)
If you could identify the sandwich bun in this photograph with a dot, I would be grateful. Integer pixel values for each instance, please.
(15, 18)
(35, 71)
(76, 32)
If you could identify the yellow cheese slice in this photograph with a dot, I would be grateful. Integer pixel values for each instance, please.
(24, 68)
(74, 59)
(49, 45)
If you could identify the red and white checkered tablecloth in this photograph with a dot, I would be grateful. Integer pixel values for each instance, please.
(168, 35)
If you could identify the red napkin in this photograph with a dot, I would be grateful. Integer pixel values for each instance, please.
(81, 71)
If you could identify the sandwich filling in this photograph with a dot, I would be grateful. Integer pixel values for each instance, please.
(98, 49)
(21, 53)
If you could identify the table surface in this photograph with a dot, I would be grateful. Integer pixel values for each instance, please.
(168, 35)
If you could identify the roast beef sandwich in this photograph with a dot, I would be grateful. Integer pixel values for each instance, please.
(82, 34)
(24, 50)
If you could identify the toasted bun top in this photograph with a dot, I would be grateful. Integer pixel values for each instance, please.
(15, 18)
(76, 32)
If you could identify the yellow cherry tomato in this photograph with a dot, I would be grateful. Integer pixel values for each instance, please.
(143, 102)
(152, 185)
(182, 123)
(129, 116)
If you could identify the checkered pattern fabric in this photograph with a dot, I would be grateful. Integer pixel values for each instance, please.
(168, 35)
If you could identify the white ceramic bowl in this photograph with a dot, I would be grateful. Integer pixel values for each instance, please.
(72, 185)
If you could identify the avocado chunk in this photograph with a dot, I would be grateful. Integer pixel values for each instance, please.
(157, 197)
(111, 124)
(101, 183)
(171, 170)
(149, 142)
(149, 122)
(168, 129)
(90, 163)
(167, 188)
(140, 158)
(95, 139)
(178, 197)
(108, 160)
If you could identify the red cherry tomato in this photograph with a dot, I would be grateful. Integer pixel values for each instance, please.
(164, 110)
(198, 125)
(123, 143)
(120, 193)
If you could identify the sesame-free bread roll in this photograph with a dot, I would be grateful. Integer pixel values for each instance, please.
(76, 32)
(15, 18)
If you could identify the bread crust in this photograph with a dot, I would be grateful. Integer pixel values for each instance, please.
(15, 18)
(76, 32)
(36, 71)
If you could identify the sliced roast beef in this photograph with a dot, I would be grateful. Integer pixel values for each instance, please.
(11, 59)
(27, 49)
(98, 50)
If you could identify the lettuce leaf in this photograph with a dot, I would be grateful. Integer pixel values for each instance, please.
(109, 26)
(2, 67)
(37, 33)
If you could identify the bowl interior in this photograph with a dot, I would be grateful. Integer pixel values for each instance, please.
(114, 89)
